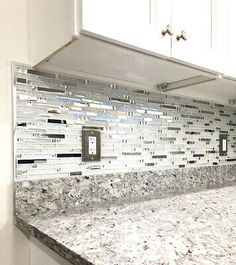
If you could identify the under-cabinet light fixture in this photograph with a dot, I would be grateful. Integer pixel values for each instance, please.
(165, 87)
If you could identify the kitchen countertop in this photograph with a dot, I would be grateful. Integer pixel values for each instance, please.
(195, 228)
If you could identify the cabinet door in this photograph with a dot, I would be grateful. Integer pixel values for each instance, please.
(231, 51)
(218, 53)
(194, 18)
(137, 23)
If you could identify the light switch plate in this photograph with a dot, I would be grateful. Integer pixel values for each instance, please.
(91, 144)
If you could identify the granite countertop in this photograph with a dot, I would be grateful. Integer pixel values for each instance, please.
(196, 228)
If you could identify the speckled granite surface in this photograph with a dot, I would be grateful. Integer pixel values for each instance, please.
(197, 228)
(120, 219)
(76, 193)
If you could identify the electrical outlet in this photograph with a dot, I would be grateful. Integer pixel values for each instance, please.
(223, 144)
(91, 144)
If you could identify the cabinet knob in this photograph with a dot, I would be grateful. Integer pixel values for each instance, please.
(182, 36)
(168, 30)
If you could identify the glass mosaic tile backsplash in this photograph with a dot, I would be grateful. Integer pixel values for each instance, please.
(140, 130)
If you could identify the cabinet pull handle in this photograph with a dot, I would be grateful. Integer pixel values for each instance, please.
(168, 30)
(182, 36)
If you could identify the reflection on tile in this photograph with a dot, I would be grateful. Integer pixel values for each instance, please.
(139, 129)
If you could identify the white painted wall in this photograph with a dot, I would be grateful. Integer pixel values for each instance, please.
(14, 246)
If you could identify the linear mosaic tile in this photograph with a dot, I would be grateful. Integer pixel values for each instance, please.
(140, 130)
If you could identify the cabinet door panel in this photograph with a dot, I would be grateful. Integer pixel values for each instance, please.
(231, 53)
(161, 19)
(128, 21)
(219, 35)
(195, 18)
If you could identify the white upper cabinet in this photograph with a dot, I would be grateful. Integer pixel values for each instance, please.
(131, 22)
(51, 27)
(219, 45)
(231, 56)
(190, 31)
(191, 20)
(193, 32)
(200, 33)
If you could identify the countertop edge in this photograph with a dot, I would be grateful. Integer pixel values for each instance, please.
(51, 243)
